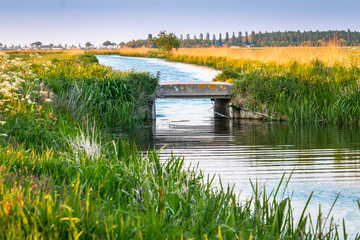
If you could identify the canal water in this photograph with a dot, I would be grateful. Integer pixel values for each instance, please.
(324, 159)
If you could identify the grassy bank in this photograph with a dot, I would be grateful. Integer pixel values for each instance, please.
(64, 175)
(319, 89)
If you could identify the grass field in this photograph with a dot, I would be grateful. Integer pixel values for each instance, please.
(330, 55)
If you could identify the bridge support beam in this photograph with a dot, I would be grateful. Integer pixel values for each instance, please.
(222, 107)
(152, 110)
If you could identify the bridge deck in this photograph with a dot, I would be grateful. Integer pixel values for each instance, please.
(214, 90)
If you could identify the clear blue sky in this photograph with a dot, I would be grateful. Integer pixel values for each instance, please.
(79, 21)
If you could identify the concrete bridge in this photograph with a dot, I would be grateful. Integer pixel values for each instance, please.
(217, 91)
(213, 90)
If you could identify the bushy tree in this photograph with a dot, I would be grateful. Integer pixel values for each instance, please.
(88, 44)
(167, 41)
(106, 44)
(36, 44)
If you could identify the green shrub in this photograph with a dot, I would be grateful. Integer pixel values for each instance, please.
(87, 58)
(226, 74)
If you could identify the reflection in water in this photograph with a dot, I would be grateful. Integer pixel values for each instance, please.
(325, 159)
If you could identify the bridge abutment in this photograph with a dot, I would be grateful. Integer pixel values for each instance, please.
(152, 110)
(222, 107)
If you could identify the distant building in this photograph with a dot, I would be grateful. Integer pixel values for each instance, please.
(46, 47)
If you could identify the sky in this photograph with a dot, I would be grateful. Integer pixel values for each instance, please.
(79, 21)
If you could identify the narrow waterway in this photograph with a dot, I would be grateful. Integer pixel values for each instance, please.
(325, 159)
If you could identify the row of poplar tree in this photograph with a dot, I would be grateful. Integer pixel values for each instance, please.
(259, 39)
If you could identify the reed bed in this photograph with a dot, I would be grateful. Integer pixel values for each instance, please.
(125, 195)
(64, 175)
(88, 90)
(330, 55)
(45, 54)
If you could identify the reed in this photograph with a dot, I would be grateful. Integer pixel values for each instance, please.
(330, 55)
(89, 90)
(127, 195)
(40, 99)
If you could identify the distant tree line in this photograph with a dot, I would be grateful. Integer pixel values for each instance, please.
(305, 38)
(260, 39)
(142, 43)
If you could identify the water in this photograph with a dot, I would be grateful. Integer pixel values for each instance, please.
(325, 159)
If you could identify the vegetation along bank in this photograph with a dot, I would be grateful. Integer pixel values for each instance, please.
(312, 91)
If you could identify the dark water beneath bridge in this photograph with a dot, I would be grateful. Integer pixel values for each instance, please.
(325, 159)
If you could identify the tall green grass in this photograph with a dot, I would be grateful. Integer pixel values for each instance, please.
(88, 90)
(126, 195)
(42, 103)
